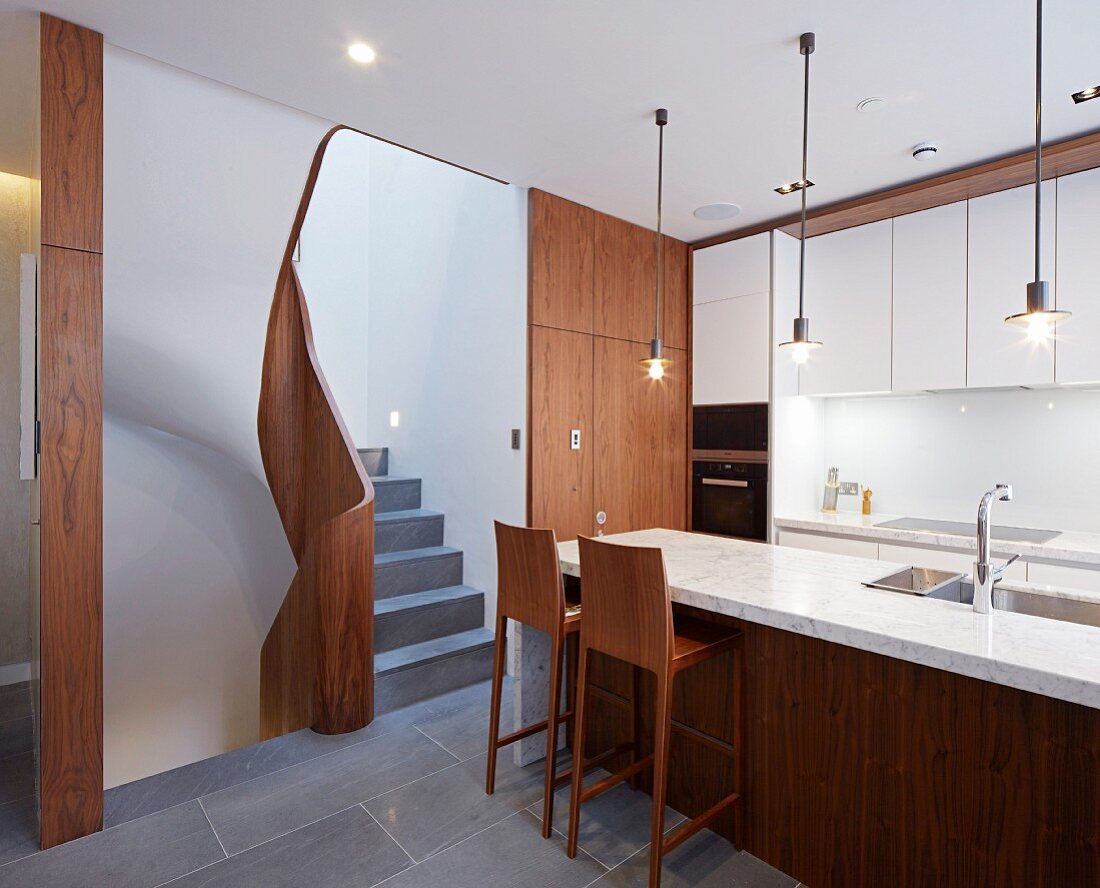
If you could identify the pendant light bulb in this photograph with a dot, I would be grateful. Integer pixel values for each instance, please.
(655, 364)
(1040, 318)
(800, 345)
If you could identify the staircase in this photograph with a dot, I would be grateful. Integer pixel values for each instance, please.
(429, 635)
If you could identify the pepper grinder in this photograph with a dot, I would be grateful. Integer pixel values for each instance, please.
(867, 500)
(832, 489)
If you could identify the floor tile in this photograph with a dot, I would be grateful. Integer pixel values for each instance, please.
(15, 701)
(346, 850)
(140, 854)
(435, 813)
(614, 825)
(261, 809)
(16, 736)
(706, 860)
(509, 854)
(18, 829)
(464, 732)
(16, 777)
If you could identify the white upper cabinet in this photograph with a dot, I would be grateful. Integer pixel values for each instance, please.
(1077, 358)
(730, 350)
(735, 268)
(848, 302)
(730, 287)
(930, 299)
(1000, 266)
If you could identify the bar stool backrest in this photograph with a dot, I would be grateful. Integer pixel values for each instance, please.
(627, 606)
(529, 583)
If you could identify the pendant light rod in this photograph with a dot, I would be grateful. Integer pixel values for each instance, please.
(806, 45)
(1038, 138)
(661, 119)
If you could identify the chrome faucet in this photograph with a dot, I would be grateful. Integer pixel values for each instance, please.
(985, 574)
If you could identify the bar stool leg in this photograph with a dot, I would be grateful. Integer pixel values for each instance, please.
(494, 702)
(581, 716)
(662, 739)
(552, 735)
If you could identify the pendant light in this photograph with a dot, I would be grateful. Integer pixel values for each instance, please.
(655, 363)
(1040, 318)
(800, 344)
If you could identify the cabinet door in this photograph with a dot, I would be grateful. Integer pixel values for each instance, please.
(561, 262)
(640, 425)
(848, 302)
(735, 268)
(730, 350)
(561, 400)
(835, 545)
(1001, 259)
(1077, 359)
(930, 299)
(626, 275)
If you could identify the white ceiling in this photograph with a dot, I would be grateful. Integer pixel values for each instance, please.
(559, 94)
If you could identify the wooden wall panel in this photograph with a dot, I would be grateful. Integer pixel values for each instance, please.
(626, 269)
(560, 399)
(640, 432)
(72, 135)
(561, 247)
(675, 299)
(71, 332)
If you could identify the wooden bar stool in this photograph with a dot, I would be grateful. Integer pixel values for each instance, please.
(530, 590)
(628, 615)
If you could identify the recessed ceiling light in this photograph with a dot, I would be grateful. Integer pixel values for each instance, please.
(715, 211)
(1093, 92)
(871, 104)
(361, 53)
(791, 187)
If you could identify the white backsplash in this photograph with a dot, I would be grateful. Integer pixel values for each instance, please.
(933, 455)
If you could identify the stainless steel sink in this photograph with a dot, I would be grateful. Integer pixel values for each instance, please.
(945, 586)
(919, 581)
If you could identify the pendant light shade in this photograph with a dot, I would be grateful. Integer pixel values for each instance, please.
(656, 362)
(1040, 318)
(800, 344)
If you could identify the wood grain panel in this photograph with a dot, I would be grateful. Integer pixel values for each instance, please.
(999, 174)
(675, 299)
(71, 412)
(626, 270)
(72, 135)
(640, 431)
(560, 399)
(316, 664)
(561, 256)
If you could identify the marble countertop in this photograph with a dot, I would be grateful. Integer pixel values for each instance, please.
(819, 594)
(1071, 547)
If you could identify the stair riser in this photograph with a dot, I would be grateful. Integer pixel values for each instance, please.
(406, 577)
(376, 460)
(425, 623)
(421, 682)
(396, 496)
(397, 536)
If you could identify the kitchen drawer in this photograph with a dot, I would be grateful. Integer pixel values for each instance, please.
(1059, 575)
(836, 545)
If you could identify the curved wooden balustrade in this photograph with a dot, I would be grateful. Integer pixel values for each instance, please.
(317, 662)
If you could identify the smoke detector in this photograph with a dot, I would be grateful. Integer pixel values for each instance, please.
(925, 151)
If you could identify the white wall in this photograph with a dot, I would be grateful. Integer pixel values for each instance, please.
(447, 344)
(201, 183)
(332, 267)
(927, 456)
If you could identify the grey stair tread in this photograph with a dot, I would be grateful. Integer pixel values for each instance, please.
(432, 651)
(391, 479)
(384, 558)
(407, 515)
(432, 597)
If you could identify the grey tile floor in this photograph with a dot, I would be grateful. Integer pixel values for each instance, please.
(18, 803)
(400, 803)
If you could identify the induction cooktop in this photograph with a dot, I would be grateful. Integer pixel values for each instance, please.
(961, 528)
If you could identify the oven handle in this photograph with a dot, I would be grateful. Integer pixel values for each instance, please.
(724, 482)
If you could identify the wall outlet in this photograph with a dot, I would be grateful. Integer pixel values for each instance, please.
(515, 439)
(849, 488)
(575, 439)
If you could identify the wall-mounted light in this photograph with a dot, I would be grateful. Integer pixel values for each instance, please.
(395, 419)
(1093, 92)
(800, 345)
(1040, 318)
(656, 362)
(791, 187)
(361, 53)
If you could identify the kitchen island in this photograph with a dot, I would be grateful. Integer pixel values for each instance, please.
(889, 739)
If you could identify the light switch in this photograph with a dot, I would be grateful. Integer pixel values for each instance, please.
(575, 439)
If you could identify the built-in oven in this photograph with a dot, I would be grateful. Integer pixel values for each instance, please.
(730, 498)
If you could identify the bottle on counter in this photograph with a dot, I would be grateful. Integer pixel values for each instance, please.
(867, 500)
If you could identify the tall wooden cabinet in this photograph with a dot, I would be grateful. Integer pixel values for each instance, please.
(591, 294)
